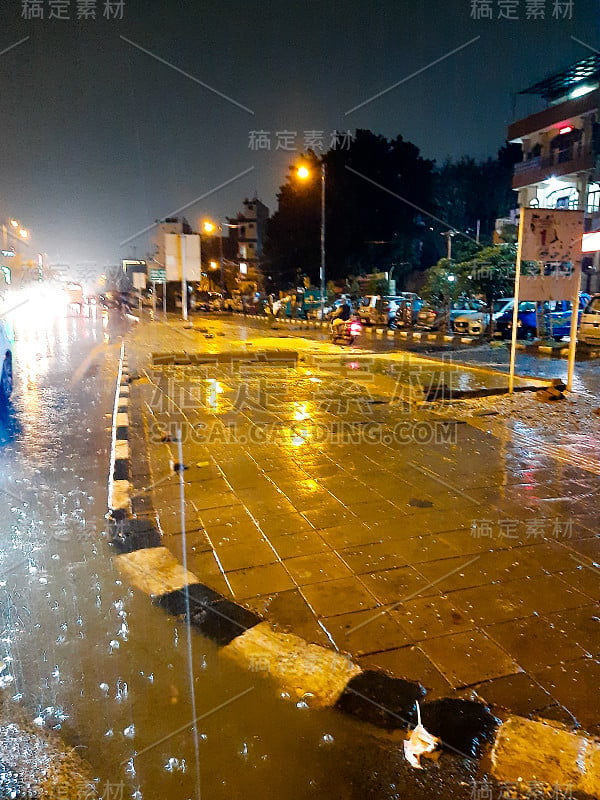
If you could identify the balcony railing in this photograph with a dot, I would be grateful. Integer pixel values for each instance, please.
(577, 156)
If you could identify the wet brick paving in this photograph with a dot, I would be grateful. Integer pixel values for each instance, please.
(429, 549)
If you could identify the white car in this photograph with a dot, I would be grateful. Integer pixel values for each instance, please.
(589, 324)
(475, 323)
(6, 374)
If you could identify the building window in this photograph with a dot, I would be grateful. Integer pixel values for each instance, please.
(565, 197)
(593, 198)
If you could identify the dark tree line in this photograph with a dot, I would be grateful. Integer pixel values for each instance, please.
(386, 206)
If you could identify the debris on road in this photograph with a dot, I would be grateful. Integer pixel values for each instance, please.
(420, 742)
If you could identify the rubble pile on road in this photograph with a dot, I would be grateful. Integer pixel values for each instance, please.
(552, 393)
(578, 414)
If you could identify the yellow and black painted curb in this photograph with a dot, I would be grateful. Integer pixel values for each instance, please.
(119, 483)
(322, 677)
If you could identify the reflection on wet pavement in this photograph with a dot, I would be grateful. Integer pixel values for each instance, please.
(93, 660)
(319, 498)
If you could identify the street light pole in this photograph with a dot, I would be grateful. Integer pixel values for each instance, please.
(221, 261)
(210, 227)
(184, 308)
(322, 275)
(449, 235)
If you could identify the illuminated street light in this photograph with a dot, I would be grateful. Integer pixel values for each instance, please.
(211, 228)
(19, 233)
(303, 173)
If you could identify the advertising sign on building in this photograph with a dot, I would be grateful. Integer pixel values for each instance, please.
(551, 243)
(182, 250)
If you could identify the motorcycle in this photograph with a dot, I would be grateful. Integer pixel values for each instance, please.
(346, 332)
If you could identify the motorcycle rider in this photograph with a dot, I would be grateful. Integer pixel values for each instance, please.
(341, 315)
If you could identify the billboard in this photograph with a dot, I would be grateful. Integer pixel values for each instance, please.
(180, 248)
(551, 243)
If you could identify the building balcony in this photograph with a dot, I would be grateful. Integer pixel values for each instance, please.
(557, 116)
(571, 160)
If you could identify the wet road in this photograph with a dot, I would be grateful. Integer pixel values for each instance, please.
(495, 356)
(95, 661)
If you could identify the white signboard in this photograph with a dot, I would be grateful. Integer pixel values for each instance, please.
(551, 239)
(139, 280)
(591, 242)
(180, 248)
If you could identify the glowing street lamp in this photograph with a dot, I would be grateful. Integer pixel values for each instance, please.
(19, 232)
(211, 228)
(304, 173)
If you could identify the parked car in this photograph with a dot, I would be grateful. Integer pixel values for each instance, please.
(206, 301)
(233, 304)
(556, 317)
(378, 309)
(408, 307)
(589, 324)
(6, 362)
(476, 323)
(433, 318)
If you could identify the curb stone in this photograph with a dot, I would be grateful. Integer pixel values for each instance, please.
(323, 677)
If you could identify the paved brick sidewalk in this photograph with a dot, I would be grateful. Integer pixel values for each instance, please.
(442, 554)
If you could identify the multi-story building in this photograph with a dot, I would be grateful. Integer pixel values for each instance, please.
(561, 144)
(249, 231)
(169, 225)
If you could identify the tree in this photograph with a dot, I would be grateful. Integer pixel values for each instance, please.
(445, 282)
(492, 272)
(372, 189)
(468, 191)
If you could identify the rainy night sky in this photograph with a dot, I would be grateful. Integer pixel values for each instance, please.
(100, 138)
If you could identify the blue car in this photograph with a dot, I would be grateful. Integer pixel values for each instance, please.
(556, 315)
(6, 374)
